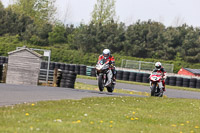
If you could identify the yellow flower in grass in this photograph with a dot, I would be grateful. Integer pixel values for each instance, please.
(133, 113)
(101, 121)
(131, 92)
(91, 122)
(196, 127)
(78, 121)
(182, 124)
(127, 117)
(181, 132)
(136, 118)
(33, 104)
(132, 119)
(110, 125)
(111, 121)
(27, 114)
(192, 131)
(187, 121)
(173, 125)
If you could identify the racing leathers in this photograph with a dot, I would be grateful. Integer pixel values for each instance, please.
(163, 72)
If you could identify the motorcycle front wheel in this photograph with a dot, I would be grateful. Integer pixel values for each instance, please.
(110, 89)
(153, 89)
(101, 83)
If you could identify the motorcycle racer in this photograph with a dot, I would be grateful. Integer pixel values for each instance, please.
(108, 57)
(160, 69)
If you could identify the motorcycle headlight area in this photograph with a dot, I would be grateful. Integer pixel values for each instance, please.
(154, 78)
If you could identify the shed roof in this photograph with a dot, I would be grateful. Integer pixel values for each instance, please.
(194, 71)
(27, 49)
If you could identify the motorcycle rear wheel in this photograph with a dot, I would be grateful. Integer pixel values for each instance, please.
(101, 83)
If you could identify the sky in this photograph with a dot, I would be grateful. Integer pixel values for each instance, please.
(168, 12)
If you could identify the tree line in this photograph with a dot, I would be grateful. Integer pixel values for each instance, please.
(143, 39)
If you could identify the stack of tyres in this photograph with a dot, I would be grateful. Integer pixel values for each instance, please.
(83, 69)
(172, 81)
(42, 65)
(145, 78)
(68, 79)
(77, 69)
(93, 72)
(186, 82)
(198, 83)
(132, 76)
(57, 65)
(2, 59)
(67, 66)
(62, 66)
(72, 67)
(1, 71)
(119, 75)
(167, 81)
(6, 60)
(139, 77)
(179, 81)
(51, 65)
(126, 75)
(192, 83)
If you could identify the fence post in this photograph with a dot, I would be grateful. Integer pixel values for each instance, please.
(139, 65)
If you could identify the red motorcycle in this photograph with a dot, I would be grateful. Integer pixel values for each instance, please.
(156, 85)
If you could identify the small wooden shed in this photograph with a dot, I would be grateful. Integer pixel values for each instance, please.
(23, 67)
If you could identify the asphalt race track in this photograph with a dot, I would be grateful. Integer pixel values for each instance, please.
(171, 93)
(17, 94)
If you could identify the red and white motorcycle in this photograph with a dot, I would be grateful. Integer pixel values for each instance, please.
(156, 84)
(104, 75)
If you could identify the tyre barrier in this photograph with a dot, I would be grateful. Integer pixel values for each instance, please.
(43, 75)
(179, 81)
(62, 66)
(67, 66)
(77, 69)
(186, 82)
(198, 84)
(3, 59)
(83, 70)
(132, 76)
(172, 81)
(192, 83)
(119, 75)
(145, 78)
(93, 72)
(1, 71)
(52, 65)
(125, 75)
(68, 79)
(167, 81)
(57, 65)
(139, 77)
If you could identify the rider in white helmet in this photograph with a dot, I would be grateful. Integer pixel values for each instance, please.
(160, 69)
(107, 55)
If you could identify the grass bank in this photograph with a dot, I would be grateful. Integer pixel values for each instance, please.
(105, 114)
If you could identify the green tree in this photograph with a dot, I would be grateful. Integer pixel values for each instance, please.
(58, 34)
(104, 12)
(42, 11)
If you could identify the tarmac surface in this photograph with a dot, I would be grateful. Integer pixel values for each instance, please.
(18, 94)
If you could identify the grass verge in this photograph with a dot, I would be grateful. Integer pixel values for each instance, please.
(145, 84)
(105, 114)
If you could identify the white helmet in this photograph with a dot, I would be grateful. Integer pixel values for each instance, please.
(106, 53)
(158, 65)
